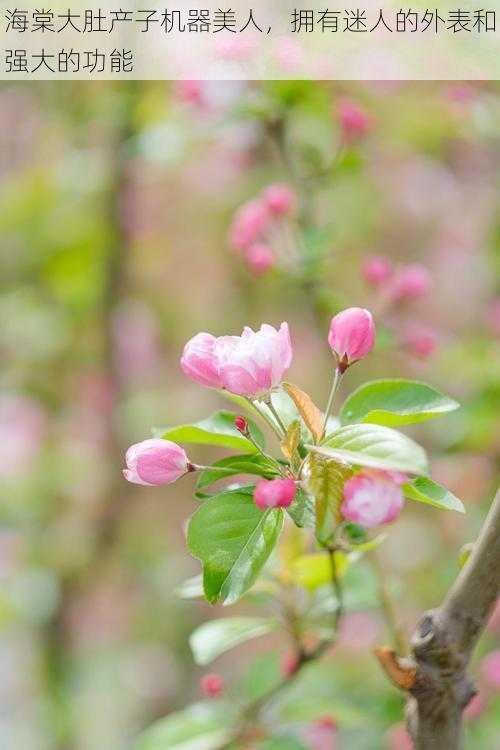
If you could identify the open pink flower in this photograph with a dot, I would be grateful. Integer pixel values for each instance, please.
(373, 497)
(155, 462)
(352, 334)
(274, 493)
(248, 365)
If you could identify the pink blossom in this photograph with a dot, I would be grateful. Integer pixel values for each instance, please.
(420, 341)
(155, 462)
(234, 46)
(289, 664)
(274, 493)
(248, 365)
(411, 282)
(190, 92)
(200, 362)
(493, 317)
(373, 497)
(398, 738)
(279, 199)
(352, 334)
(289, 53)
(249, 223)
(212, 685)
(476, 706)
(259, 257)
(321, 734)
(377, 270)
(490, 669)
(354, 121)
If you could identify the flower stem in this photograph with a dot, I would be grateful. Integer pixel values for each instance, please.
(387, 605)
(337, 377)
(275, 414)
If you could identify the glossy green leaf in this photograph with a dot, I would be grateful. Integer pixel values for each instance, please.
(199, 727)
(326, 483)
(426, 491)
(233, 539)
(301, 511)
(218, 429)
(395, 402)
(215, 637)
(375, 446)
(233, 465)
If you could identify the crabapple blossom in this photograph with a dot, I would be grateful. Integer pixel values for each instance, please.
(279, 199)
(247, 365)
(212, 685)
(155, 462)
(352, 335)
(377, 270)
(411, 282)
(259, 257)
(490, 669)
(420, 341)
(354, 121)
(373, 497)
(249, 223)
(274, 493)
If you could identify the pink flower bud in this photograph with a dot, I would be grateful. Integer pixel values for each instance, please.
(249, 223)
(352, 334)
(155, 462)
(274, 493)
(199, 360)
(411, 282)
(372, 498)
(260, 258)
(279, 199)
(420, 341)
(490, 670)
(476, 706)
(248, 365)
(212, 685)
(377, 270)
(241, 425)
(289, 664)
(354, 121)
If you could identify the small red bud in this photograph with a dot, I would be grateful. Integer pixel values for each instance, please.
(211, 685)
(241, 425)
(289, 664)
(327, 722)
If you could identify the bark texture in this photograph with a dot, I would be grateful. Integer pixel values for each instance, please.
(444, 641)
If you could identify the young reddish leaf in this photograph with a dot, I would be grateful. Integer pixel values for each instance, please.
(308, 410)
(290, 442)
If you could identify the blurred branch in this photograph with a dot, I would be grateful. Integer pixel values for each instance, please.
(444, 641)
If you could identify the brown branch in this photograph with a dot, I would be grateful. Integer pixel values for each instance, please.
(444, 641)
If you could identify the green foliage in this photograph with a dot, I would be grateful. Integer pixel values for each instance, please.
(301, 511)
(231, 466)
(326, 482)
(215, 637)
(395, 402)
(233, 539)
(424, 490)
(217, 429)
(376, 447)
(202, 726)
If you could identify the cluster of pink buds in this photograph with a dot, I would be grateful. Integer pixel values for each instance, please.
(397, 286)
(256, 223)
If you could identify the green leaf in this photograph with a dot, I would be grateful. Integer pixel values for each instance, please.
(215, 637)
(395, 402)
(218, 429)
(301, 511)
(233, 539)
(314, 570)
(326, 483)
(199, 727)
(374, 446)
(426, 491)
(232, 465)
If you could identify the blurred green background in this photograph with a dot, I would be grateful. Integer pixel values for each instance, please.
(115, 206)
